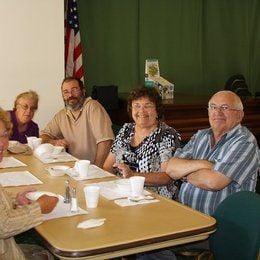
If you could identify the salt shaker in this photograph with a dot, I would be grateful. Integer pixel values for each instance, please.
(67, 197)
(74, 201)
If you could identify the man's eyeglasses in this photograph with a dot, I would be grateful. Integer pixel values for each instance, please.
(222, 108)
(74, 91)
(26, 107)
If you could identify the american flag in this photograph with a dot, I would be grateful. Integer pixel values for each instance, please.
(73, 50)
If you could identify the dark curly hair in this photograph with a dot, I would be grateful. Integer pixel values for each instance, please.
(151, 93)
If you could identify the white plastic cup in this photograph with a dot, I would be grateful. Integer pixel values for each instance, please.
(91, 196)
(137, 185)
(82, 168)
(36, 142)
(30, 141)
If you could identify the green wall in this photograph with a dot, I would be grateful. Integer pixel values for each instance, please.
(199, 43)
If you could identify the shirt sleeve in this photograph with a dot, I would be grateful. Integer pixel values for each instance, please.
(15, 221)
(169, 143)
(100, 122)
(119, 140)
(186, 152)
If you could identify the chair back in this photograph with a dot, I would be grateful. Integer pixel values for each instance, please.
(238, 227)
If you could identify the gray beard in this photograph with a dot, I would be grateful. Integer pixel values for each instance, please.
(77, 106)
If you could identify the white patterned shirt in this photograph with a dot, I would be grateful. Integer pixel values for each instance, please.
(148, 156)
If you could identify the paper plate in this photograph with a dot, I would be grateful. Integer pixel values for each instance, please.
(34, 195)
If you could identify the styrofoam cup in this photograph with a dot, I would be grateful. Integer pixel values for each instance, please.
(82, 167)
(30, 141)
(137, 185)
(91, 196)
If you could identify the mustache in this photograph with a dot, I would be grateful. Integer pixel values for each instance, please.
(71, 98)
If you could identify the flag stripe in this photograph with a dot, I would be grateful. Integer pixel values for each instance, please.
(73, 49)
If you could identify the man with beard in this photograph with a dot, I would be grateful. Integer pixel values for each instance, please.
(83, 126)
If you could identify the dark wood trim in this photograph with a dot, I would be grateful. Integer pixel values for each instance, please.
(187, 114)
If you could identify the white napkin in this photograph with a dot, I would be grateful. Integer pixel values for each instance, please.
(63, 210)
(9, 162)
(127, 202)
(90, 223)
(94, 172)
(18, 178)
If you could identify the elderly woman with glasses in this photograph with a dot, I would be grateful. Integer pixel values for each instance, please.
(143, 147)
(25, 106)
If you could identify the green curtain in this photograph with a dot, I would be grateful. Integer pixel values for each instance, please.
(199, 43)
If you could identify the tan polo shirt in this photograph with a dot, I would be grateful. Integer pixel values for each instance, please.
(84, 133)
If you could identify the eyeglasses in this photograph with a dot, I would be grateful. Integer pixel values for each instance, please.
(222, 108)
(145, 107)
(74, 91)
(26, 107)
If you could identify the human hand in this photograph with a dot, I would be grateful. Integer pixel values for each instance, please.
(21, 197)
(60, 142)
(47, 203)
(124, 169)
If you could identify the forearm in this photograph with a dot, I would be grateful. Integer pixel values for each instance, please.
(155, 178)
(103, 149)
(109, 162)
(208, 179)
(53, 141)
(47, 139)
(177, 168)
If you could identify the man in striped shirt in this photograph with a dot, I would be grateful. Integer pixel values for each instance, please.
(217, 161)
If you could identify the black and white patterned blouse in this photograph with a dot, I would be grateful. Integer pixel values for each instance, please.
(148, 156)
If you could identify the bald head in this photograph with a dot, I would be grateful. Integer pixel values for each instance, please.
(235, 100)
(225, 112)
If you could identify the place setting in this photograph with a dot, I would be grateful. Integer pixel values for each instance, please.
(84, 170)
(137, 194)
(48, 153)
(126, 192)
(62, 209)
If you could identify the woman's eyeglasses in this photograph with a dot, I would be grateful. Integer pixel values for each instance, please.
(26, 107)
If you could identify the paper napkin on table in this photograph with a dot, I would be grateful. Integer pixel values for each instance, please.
(63, 210)
(90, 223)
(127, 202)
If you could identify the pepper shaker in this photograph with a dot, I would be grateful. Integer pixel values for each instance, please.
(67, 197)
